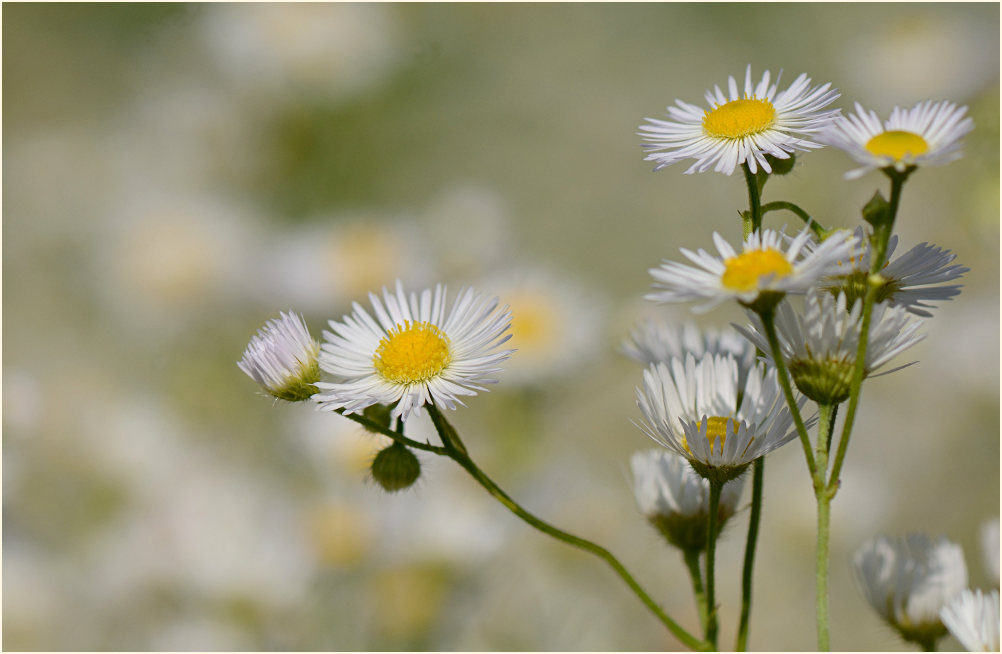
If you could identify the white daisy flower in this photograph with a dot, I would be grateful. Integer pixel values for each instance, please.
(973, 619)
(741, 127)
(676, 500)
(819, 345)
(282, 358)
(762, 270)
(928, 134)
(989, 539)
(912, 280)
(691, 408)
(908, 580)
(413, 352)
(650, 342)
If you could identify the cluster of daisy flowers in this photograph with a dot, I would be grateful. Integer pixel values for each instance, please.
(823, 313)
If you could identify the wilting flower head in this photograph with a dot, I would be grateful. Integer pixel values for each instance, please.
(676, 500)
(973, 619)
(691, 407)
(928, 134)
(911, 280)
(282, 357)
(763, 270)
(907, 581)
(741, 127)
(819, 345)
(413, 352)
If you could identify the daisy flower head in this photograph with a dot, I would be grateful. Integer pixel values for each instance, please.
(911, 280)
(908, 580)
(691, 408)
(413, 352)
(650, 342)
(819, 345)
(928, 134)
(973, 619)
(758, 277)
(676, 500)
(741, 126)
(282, 358)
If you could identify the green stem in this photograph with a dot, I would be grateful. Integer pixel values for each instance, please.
(831, 427)
(769, 323)
(824, 498)
(711, 555)
(462, 458)
(386, 431)
(758, 476)
(754, 202)
(778, 205)
(692, 563)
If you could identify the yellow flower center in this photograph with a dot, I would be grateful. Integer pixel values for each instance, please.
(741, 273)
(897, 145)
(412, 353)
(739, 118)
(716, 427)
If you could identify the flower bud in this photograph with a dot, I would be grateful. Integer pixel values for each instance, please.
(395, 468)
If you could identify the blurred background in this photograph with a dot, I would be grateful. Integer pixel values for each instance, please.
(175, 175)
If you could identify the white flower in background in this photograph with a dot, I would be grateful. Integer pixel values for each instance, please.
(676, 500)
(336, 50)
(819, 345)
(282, 358)
(470, 230)
(763, 269)
(413, 353)
(973, 619)
(741, 127)
(911, 280)
(989, 538)
(691, 407)
(928, 134)
(556, 326)
(653, 342)
(340, 258)
(908, 580)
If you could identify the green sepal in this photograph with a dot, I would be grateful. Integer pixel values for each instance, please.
(877, 211)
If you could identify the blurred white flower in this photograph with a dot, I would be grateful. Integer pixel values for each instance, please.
(741, 127)
(334, 50)
(676, 500)
(989, 540)
(469, 228)
(973, 619)
(556, 325)
(908, 580)
(283, 358)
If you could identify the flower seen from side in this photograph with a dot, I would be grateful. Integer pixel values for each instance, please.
(650, 342)
(691, 407)
(413, 352)
(819, 345)
(762, 273)
(283, 359)
(928, 134)
(741, 127)
(973, 619)
(908, 580)
(676, 500)
(911, 280)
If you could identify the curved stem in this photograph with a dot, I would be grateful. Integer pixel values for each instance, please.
(467, 463)
(711, 551)
(395, 435)
(758, 472)
(769, 324)
(778, 205)
(692, 563)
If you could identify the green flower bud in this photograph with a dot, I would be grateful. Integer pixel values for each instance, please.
(781, 166)
(395, 468)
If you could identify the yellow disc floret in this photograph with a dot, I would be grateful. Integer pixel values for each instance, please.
(739, 118)
(897, 145)
(716, 427)
(412, 353)
(742, 273)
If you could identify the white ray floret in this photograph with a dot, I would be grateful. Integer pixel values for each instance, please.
(973, 619)
(741, 126)
(928, 134)
(282, 358)
(765, 265)
(413, 352)
(908, 580)
(691, 408)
